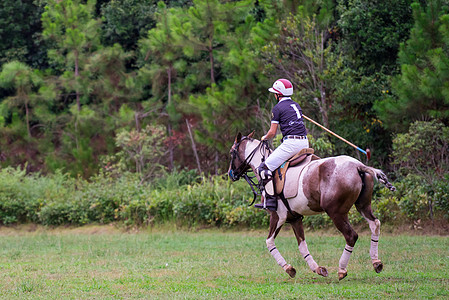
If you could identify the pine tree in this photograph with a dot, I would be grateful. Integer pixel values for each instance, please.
(164, 60)
(110, 83)
(74, 36)
(203, 32)
(25, 82)
(421, 90)
(70, 24)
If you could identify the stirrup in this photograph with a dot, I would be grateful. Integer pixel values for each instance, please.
(269, 203)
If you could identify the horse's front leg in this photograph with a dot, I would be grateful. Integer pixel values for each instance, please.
(275, 226)
(298, 229)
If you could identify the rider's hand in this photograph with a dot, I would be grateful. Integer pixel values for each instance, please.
(264, 138)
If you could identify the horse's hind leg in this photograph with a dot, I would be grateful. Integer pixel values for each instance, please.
(363, 205)
(275, 226)
(302, 245)
(374, 225)
(342, 224)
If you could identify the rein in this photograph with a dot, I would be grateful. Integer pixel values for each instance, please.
(243, 169)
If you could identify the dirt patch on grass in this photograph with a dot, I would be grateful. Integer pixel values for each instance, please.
(30, 229)
(437, 227)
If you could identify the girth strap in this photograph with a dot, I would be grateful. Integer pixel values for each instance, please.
(287, 205)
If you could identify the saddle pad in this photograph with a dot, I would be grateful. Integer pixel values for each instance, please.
(279, 174)
(291, 182)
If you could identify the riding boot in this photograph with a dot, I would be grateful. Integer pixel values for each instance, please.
(269, 202)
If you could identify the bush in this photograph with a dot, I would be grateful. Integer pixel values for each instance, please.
(183, 198)
(423, 159)
(180, 197)
(441, 197)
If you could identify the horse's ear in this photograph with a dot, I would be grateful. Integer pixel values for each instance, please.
(251, 135)
(238, 137)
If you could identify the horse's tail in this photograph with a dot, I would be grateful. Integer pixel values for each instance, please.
(378, 175)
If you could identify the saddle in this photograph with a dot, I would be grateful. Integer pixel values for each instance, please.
(289, 172)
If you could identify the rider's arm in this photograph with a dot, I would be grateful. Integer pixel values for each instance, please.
(272, 132)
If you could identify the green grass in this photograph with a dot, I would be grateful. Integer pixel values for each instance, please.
(104, 263)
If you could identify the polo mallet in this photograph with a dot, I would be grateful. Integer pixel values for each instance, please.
(367, 152)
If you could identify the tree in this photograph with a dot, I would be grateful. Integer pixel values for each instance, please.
(20, 34)
(165, 57)
(202, 32)
(303, 52)
(235, 103)
(110, 83)
(70, 24)
(25, 82)
(420, 92)
(371, 32)
(127, 21)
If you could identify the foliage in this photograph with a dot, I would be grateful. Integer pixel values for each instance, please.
(125, 22)
(321, 145)
(59, 199)
(415, 199)
(303, 52)
(25, 82)
(71, 26)
(420, 91)
(179, 197)
(140, 151)
(423, 151)
(115, 65)
(21, 33)
(371, 32)
(205, 31)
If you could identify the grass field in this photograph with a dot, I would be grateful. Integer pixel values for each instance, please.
(105, 263)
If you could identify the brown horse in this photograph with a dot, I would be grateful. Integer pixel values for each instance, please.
(332, 185)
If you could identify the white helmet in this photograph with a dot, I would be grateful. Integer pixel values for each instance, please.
(282, 87)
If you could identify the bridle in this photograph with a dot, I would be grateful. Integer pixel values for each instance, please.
(243, 169)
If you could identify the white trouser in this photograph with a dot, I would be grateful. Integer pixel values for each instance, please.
(287, 149)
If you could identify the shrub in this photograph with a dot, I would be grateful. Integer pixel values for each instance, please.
(422, 153)
(180, 197)
(441, 197)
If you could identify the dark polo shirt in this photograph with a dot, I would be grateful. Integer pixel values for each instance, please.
(288, 114)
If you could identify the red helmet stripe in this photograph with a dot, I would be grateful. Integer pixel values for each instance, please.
(278, 91)
(286, 83)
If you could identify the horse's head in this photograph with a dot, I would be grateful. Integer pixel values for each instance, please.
(239, 163)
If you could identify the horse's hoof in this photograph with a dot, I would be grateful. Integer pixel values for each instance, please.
(321, 271)
(290, 271)
(378, 266)
(342, 274)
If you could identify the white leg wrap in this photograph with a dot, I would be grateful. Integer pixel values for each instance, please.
(374, 246)
(275, 252)
(375, 232)
(278, 257)
(345, 257)
(307, 257)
